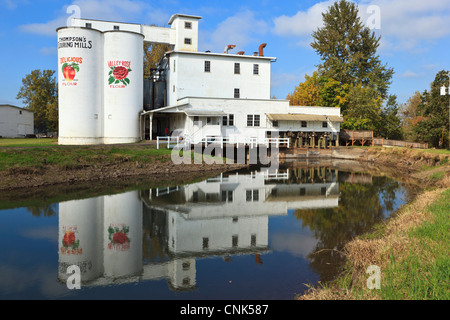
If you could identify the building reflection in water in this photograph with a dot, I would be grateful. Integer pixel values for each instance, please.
(161, 233)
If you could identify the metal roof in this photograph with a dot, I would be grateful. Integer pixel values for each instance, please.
(302, 117)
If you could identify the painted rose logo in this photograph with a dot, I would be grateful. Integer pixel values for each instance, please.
(118, 238)
(119, 74)
(69, 239)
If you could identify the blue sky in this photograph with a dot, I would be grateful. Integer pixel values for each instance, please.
(415, 34)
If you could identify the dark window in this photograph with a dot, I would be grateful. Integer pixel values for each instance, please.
(256, 120)
(234, 241)
(235, 219)
(304, 124)
(186, 266)
(256, 69)
(187, 25)
(324, 124)
(237, 93)
(253, 240)
(207, 66)
(88, 25)
(231, 119)
(249, 120)
(248, 195)
(237, 68)
(116, 27)
(275, 123)
(256, 195)
(20, 112)
(205, 243)
(224, 120)
(187, 41)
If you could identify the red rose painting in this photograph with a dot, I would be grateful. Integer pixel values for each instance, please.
(119, 75)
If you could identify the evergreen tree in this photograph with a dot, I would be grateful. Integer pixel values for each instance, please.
(432, 125)
(348, 50)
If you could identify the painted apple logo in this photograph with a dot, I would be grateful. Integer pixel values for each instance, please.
(69, 70)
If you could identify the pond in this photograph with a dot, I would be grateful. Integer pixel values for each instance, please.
(248, 234)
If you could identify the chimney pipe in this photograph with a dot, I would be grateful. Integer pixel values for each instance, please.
(255, 53)
(228, 47)
(261, 47)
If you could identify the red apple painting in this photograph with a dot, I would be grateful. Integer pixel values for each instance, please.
(69, 70)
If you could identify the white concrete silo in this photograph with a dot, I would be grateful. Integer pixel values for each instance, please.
(80, 84)
(80, 238)
(122, 86)
(122, 235)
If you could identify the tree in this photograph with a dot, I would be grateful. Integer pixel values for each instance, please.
(390, 120)
(408, 113)
(306, 93)
(39, 92)
(153, 53)
(317, 90)
(432, 123)
(363, 110)
(348, 50)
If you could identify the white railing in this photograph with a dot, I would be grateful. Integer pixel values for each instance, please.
(171, 141)
(276, 175)
(238, 141)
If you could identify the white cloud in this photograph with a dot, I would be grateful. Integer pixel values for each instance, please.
(114, 10)
(239, 30)
(303, 23)
(404, 24)
(409, 74)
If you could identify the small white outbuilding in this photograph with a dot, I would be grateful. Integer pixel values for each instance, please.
(15, 122)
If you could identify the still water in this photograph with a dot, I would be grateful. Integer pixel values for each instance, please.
(251, 234)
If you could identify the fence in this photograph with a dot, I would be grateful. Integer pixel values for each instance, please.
(398, 143)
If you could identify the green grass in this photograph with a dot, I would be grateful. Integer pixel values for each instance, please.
(424, 273)
(27, 142)
(78, 156)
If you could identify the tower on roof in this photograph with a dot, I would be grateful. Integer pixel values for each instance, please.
(186, 32)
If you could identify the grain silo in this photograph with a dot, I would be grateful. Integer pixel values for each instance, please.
(122, 234)
(80, 84)
(122, 86)
(80, 238)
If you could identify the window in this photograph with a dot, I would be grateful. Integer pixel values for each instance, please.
(187, 41)
(275, 123)
(228, 120)
(256, 121)
(249, 120)
(205, 244)
(116, 27)
(253, 240)
(304, 124)
(324, 124)
(231, 119)
(252, 195)
(256, 69)
(187, 25)
(88, 25)
(237, 68)
(234, 241)
(207, 66)
(174, 65)
(253, 120)
(237, 93)
(20, 111)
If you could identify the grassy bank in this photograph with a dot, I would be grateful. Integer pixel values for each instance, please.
(26, 163)
(411, 248)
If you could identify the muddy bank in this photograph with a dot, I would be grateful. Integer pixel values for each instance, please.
(398, 161)
(21, 178)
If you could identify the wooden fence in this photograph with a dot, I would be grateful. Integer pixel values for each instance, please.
(367, 138)
(398, 143)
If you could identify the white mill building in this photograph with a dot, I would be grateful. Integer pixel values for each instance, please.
(194, 95)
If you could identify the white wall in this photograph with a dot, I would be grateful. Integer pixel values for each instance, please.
(187, 76)
(15, 122)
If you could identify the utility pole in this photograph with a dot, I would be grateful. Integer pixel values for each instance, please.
(444, 91)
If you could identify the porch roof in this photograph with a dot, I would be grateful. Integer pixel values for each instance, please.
(302, 117)
(204, 113)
